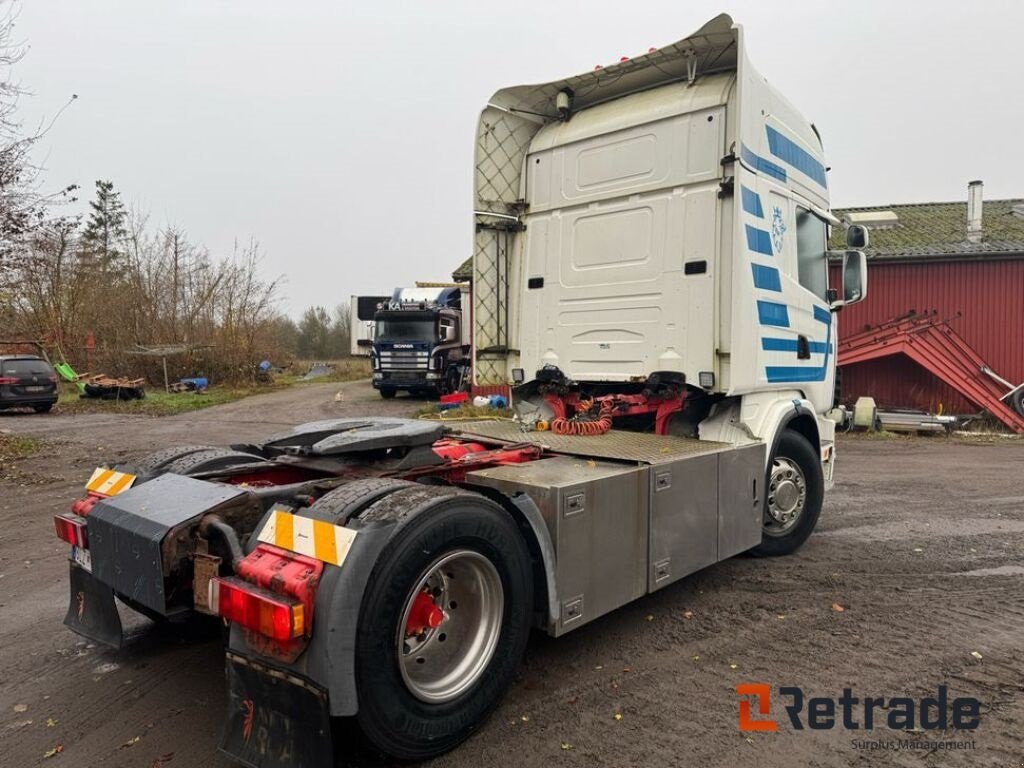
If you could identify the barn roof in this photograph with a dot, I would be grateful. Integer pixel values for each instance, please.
(939, 230)
(464, 272)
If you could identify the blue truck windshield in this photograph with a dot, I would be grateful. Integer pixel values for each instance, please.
(401, 329)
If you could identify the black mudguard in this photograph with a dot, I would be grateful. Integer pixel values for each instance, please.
(92, 611)
(127, 531)
(275, 720)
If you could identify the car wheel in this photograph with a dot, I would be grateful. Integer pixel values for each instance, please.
(43, 408)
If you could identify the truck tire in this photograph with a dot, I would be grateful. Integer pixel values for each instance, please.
(452, 380)
(341, 504)
(423, 692)
(795, 489)
(388, 393)
(209, 460)
(154, 462)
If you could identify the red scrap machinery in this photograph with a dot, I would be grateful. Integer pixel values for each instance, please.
(932, 343)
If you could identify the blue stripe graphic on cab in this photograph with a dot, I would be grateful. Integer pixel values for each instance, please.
(759, 163)
(758, 240)
(777, 374)
(791, 153)
(770, 313)
(766, 278)
(790, 345)
(787, 373)
(752, 202)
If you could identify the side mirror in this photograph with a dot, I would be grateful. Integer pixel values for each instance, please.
(855, 278)
(856, 236)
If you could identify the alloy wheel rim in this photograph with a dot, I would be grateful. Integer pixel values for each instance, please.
(440, 663)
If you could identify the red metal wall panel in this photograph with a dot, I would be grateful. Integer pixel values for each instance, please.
(989, 295)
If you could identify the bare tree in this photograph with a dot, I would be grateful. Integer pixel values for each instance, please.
(23, 208)
(116, 282)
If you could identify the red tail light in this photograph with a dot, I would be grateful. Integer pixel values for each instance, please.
(72, 530)
(268, 613)
(8, 380)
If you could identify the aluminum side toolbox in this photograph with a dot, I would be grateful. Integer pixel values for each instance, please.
(596, 513)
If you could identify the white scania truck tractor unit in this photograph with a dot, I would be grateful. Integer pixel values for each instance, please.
(650, 275)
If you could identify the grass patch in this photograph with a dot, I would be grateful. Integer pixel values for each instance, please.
(12, 449)
(160, 403)
(880, 434)
(157, 402)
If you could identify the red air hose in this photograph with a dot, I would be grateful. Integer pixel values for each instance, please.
(575, 426)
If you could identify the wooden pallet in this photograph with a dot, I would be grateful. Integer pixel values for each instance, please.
(102, 380)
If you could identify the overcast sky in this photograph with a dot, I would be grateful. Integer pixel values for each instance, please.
(340, 135)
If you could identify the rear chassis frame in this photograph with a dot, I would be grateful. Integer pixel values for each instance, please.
(607, 519)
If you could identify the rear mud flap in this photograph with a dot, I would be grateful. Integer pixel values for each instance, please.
(275, 720)
(92, 611)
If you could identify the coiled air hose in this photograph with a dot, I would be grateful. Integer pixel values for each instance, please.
(578, 426)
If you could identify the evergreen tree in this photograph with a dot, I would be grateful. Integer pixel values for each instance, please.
(106, 231)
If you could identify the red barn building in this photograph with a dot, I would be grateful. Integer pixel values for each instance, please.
(964, 261)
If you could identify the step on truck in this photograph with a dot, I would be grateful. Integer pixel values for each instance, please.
(650, 245)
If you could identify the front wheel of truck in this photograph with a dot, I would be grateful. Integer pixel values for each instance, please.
(442, 627)
(795, 490)
(387, 393)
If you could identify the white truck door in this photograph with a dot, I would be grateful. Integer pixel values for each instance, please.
(797, 337)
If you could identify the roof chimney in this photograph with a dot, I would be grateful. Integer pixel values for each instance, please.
(974, 211)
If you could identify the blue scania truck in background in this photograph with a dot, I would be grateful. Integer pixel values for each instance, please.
(420, 340)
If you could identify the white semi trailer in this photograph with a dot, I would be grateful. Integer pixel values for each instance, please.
(651, 241)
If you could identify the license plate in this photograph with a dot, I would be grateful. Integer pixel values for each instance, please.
(35, 388)
(83, 557)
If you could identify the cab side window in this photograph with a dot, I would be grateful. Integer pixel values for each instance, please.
(811, 253)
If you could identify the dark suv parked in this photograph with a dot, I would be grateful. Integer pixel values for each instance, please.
(27, 381)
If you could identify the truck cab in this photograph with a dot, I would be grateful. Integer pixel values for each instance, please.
(419, 343)
(671, 220)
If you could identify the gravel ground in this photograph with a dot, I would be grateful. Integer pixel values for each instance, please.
(921, 544)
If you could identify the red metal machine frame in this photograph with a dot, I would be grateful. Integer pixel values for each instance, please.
(931, 343)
